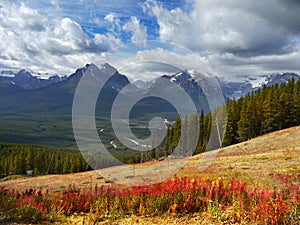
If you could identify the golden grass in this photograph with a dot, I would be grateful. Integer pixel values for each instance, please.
(256, 160)
(194, 219)
(253, 161)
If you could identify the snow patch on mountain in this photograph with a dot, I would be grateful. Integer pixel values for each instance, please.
(28, 79)
(256, 82)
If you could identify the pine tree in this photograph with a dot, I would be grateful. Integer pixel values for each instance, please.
(232, 118)
(29, 160)
(290, 110)
(67, 165)
(296, 104)
(21, 167)
(244, 122)
(201, 139)
(269, 122)
(167, 144)
(192, 134)
(207, 130)
(282, 109)
(259, 100)
(183, 145)
(176, 133)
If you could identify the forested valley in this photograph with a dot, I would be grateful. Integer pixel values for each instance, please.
(263, 111)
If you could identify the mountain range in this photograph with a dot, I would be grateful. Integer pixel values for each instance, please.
(37, 110)
(236, 89)
(25, 80)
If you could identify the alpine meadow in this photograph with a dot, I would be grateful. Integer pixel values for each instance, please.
(150, 112)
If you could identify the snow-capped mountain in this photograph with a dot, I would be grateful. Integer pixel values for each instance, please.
(232, 89)
(189, 80)
(116, 81)
(29, 80)
(143, 85)
(278, 78)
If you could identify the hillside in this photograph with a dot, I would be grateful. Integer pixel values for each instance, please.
(264, 169)
(256, 161)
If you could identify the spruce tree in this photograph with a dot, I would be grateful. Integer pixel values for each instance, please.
(296, 104)
(244, 122)
(167, 144)
(176, 133)
(269, 123)
(201, 139)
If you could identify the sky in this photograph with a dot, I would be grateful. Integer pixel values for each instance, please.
(232, 38)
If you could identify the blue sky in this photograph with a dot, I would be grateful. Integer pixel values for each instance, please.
(232, 37)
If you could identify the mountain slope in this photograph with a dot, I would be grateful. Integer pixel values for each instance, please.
(43, 116)
(8, 87)
(56, 98)
(268, 155)
(236, 89)
(27, 80)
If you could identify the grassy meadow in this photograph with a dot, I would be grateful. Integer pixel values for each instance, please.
(254, 182)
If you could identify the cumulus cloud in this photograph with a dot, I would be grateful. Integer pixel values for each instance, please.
(233, 37)
(139, 32)
(110, 17)
(30, 40)
(133, 26)
(23, 18)
(114, 21)
(149, 64)
(240, 33)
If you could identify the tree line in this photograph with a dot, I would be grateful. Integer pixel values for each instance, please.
(266, 110)
(263, 111)
(19, 158)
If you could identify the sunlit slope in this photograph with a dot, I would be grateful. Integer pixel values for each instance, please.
(257, 162)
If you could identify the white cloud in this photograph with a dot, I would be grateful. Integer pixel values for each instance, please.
(139, 32)
(23, 18)
(114, 21)
(229, 64)
(30, 40)
(133, 26)
(234, 37)
(149, 64)
(215, 26)
(240, 33)
(110, 17)
(108, 41)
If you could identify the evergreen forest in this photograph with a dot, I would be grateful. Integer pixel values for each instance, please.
(263, 111)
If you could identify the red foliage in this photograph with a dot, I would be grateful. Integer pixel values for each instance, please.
(185, 195)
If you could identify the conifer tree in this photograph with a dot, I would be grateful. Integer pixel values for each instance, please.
(269, 123)
(207, 129)
(232, 118)
(176, 132)
(192, 134)
(244, 122)
(167, 144)
(201, 140)
(296, 104)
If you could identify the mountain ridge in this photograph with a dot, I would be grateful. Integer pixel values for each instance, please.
(28, 80)
(58, 95)
(44, 114)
